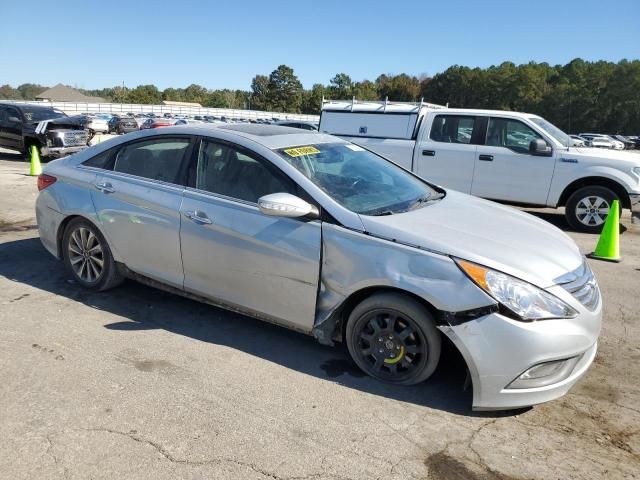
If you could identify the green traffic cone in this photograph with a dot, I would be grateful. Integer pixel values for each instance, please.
(36, 167)
(608, 247)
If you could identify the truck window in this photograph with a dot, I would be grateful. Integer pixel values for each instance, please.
(509, 133)
(452, 128)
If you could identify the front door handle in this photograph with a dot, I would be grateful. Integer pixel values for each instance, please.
(105, 187)
(429, 153)
(486, 158)
(198, 216)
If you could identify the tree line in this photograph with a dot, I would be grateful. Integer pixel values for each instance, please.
(579, 96)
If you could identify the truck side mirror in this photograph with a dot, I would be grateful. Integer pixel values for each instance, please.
(13, 120)
(540, 148)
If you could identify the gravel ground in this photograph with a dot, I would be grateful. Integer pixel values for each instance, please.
(136, 383)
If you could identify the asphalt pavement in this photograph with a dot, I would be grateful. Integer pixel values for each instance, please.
(135, 383)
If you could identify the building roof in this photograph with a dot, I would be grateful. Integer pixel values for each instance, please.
(62, 93)
(181, 104)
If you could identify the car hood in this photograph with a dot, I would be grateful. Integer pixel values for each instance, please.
(484, 232)
(598, 155)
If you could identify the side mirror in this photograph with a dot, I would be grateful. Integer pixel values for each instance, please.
(14, 120)
(540, 147)
(285, 205)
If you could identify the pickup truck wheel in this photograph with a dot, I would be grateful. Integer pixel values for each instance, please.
(587, 208)
(393, 338)
(87, 257)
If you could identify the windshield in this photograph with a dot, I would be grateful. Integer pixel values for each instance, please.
(42, 114)
(552, 130)
(359, 180)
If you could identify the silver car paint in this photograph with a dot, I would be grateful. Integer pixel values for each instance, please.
(353, 261)
(493, 235)
(265, 265)
(141, 220)
(406, 251)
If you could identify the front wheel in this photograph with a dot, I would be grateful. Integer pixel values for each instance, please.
(393, 338)
(588, 207)
(87, 256)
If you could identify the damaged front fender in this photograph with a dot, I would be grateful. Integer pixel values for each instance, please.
(354, 261)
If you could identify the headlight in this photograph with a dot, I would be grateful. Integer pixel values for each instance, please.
(523, 300)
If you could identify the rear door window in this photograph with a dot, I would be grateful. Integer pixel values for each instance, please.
(452, 128)
(156, 159)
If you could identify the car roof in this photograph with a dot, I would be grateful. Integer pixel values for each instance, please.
(276, 136)
(30, 106)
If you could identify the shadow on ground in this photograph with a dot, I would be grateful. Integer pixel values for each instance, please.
(13, 156)
(145, 308)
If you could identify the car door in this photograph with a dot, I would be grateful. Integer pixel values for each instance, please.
(10, 128)
(138, 205)
(445, 154)
(505, 170)
(232, 253)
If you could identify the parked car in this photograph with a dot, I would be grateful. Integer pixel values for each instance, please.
(97, 124)
(322, 236)
(113, 123)
(48, 129)
(188, 122)
(156, 123)
(628, 144)
(507, 156)
(577, 141)
(597, 141)
(126, 125)
(299, 124)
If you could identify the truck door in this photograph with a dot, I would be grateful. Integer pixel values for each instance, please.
(445, 153)
(10, 131)
(505, 170)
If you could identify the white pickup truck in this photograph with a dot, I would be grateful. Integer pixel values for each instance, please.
(512, 157)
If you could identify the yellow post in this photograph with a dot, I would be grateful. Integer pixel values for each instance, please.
(36, 167)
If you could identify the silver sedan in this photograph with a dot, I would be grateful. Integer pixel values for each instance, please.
(322, 236)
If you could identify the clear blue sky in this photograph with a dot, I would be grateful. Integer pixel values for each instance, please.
(224, 44)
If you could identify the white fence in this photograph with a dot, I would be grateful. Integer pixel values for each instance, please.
(71, 108)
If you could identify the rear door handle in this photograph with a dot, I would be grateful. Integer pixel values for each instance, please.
(429, 153)
(105, 187)
(486, 158)
(198, 216)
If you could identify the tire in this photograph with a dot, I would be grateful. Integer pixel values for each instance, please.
(405, 347)
(587, 208)
(83, 248)
(27, 152)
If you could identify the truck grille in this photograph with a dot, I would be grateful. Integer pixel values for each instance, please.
(75, 138)
(582, 284)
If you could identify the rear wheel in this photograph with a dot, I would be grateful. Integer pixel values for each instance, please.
(393, 338)
(588, 207)
(87, 256)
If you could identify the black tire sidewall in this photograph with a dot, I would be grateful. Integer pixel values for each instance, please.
(109, 265)
(570, 208)
(408, 308)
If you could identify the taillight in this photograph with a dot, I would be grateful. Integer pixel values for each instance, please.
(45, 180)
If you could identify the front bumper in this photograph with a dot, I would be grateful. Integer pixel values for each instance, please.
(498, 350)
(635, 207)
(61, 151)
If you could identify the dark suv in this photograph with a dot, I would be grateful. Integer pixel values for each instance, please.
(50, 130)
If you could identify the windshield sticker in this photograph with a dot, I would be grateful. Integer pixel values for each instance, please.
(28, 116)
(299, 151)
(355, 148)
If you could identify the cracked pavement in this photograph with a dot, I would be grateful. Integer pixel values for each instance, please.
(136, 383)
